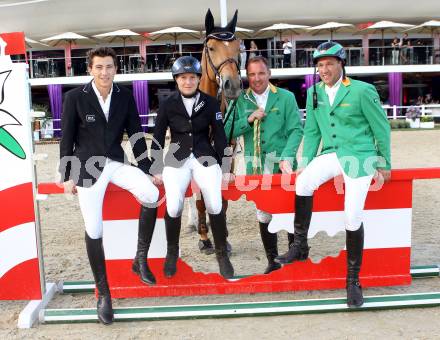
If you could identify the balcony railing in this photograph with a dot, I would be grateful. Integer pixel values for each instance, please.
(46, 130)
(301, 57)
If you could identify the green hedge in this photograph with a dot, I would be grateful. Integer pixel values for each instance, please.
(425, 119)
(399, 124)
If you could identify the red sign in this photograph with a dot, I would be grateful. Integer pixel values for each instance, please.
(364, 25)
(15, 41)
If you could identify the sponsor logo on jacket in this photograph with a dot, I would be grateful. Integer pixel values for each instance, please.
(199, 106)
(90, 118)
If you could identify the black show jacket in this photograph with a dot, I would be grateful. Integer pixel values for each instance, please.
(87, 135)
(189, 134)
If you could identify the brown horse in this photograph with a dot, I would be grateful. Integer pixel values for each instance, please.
(221, 79)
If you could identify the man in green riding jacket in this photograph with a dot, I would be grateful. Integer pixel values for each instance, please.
(268, 119)
(346, 117)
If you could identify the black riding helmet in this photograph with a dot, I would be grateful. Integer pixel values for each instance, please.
(186, 64)
(327, 49)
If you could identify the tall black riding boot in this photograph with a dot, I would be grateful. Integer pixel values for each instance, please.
(225, 204)
(290, 239)
(218, 227)
(147, 221)
(355, 247)
(299, 249)
(95, 252)
(270, 244)
(172, 229)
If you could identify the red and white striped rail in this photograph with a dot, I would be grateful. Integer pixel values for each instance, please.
(19, 264)
(387, 225)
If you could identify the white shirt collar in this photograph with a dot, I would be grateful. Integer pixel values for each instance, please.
(261, 99)
(98, 94)
(189, 102)
(331, 91)
(105, 104)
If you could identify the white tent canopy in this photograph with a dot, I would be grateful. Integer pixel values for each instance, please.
(66, 36)
(286, 28)
(241, 32)
(241, 29)
(280, 27)
(31, 42)
(389, 26)
(332, 27)
(432, 26)
(174, 32)
(117, 34)
(123, 34)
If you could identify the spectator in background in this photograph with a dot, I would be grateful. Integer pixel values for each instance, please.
(253, 50)
(242, 55)
(405, 44)
(428, 99)
(142, 65)
(395, 44)
(287, 52)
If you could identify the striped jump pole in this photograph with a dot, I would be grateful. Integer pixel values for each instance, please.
(246, 309)
(78, 287)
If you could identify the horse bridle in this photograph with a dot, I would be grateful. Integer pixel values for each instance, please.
(217, 69)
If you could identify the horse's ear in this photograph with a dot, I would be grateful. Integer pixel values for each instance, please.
(209, 22)
(231, 25)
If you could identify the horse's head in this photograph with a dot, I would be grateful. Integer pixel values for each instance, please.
(221, 56)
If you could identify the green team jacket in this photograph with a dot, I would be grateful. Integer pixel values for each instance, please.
(355, 127)
(280, 131)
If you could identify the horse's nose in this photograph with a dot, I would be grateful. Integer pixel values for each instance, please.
(227, 84)
(231, 87)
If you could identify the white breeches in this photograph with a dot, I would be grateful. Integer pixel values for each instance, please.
(325, 167)
(263, 216)
(125, 176)
(208, 179)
